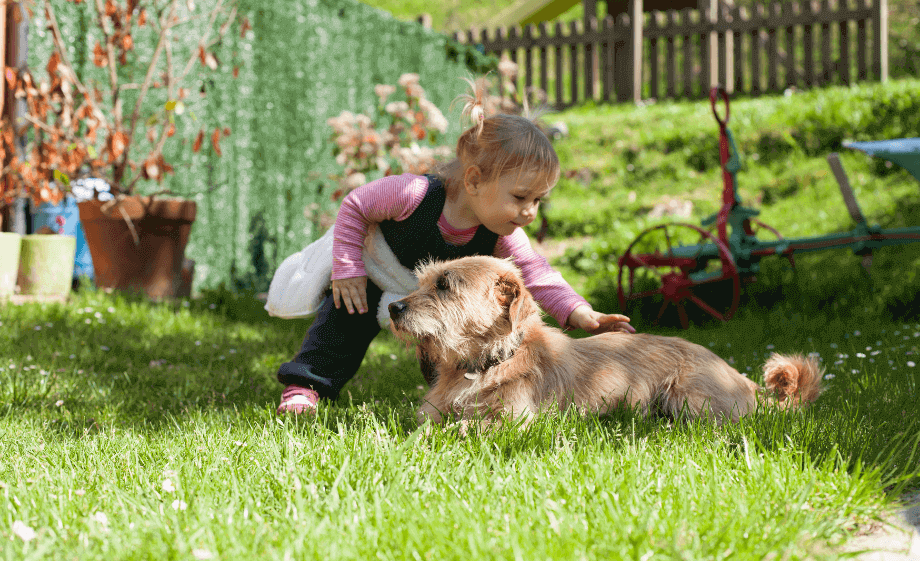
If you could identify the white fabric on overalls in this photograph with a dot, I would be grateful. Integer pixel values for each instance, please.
(298, 286)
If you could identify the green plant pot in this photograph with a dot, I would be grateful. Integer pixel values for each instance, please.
(46, 265)
(10, 243)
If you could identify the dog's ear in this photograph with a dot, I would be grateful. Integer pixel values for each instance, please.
(513, 296)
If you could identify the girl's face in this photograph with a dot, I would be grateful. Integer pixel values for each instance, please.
(509, 202)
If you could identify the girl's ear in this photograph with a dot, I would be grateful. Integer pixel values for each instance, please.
(471, 179)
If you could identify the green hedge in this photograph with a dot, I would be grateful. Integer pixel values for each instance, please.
(303, 62)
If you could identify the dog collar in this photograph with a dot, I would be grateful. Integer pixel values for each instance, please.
(475, 368)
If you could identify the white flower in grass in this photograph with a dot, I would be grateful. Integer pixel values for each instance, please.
(202, 554)
(911, 363)
(101, 518)
(179, 505)
(829, 376)
(383, 91)
(23, 531)
(168, 486)
(355, 180)
(507, 67)
(408, 79)
(436, 119)
(860, 355)
(397, 108)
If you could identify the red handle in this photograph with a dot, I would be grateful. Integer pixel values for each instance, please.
(714, 94)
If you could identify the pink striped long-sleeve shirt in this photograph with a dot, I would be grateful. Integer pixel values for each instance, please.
(396, 198)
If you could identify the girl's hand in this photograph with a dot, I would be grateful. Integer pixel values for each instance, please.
(583, 317)
(353, 292)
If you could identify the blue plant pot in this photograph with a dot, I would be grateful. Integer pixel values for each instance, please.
(46, 215)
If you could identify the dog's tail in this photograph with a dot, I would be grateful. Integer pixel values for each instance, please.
(793, 380)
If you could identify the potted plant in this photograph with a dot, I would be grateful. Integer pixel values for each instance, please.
(10, 244)
(114, 125)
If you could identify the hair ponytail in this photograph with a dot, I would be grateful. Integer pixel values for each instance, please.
(498, 143)
(474, 105)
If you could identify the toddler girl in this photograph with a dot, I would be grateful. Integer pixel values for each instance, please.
(476, 204)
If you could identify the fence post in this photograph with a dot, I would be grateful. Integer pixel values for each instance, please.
(590, 57)
(713, 14)
(636, 16)
(880, 37)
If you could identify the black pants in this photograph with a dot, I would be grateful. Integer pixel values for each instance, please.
(334, 346)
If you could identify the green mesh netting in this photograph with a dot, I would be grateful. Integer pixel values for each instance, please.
(303, 62)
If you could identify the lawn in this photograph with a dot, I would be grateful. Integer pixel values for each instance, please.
(133, 430)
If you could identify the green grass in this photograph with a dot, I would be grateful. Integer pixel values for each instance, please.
(132, 430)
(148, 432)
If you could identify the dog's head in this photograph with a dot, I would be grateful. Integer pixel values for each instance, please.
(466, 306)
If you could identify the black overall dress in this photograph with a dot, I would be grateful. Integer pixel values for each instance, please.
(337, 341)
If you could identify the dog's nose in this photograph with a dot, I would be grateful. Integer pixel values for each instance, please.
(396, 308)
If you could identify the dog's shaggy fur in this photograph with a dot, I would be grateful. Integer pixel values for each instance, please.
(479, 331)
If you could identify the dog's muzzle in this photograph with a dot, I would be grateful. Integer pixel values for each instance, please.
(397, 309)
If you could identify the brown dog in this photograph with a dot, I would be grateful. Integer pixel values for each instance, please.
(480, 331)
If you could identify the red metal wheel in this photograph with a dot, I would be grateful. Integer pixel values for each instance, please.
(680, 263)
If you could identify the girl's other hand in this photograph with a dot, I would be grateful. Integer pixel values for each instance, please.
(352, 292)
(583, 317)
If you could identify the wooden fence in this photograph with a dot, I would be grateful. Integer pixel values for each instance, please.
(681, 54)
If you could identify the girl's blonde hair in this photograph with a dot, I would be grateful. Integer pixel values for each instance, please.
(498, 144)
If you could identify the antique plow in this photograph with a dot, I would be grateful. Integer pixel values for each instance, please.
(704, 266)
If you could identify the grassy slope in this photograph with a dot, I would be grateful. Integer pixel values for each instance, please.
(636, 158)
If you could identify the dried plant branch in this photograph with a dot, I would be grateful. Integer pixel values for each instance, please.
(64, 114)
(202, 43)
(59, 45)
(107, 36)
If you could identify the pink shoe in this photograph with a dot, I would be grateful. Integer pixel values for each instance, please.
(298, 400)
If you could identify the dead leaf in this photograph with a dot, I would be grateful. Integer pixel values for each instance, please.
(117, 144)
(215, 141)
(211, 61)
(99, 55)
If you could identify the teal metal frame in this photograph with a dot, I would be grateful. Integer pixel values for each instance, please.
(735, 243)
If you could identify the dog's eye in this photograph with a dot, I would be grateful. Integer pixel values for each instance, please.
(441, 283)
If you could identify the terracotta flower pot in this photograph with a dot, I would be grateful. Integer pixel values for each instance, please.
(145, 256)
(10, 243)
